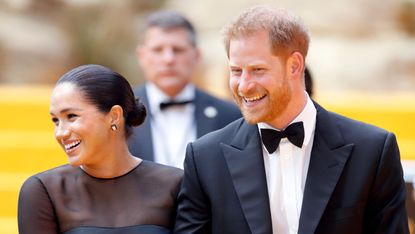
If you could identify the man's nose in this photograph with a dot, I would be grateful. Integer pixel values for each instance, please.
(245, 82)
(168, 55)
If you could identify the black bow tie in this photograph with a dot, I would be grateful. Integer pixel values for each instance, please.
(294, 132)
(165, 105)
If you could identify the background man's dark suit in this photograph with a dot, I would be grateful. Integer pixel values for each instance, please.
(141, 144)
(354, 180)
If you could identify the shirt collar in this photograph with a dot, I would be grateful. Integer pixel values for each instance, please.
(307, 116)
(156, 96)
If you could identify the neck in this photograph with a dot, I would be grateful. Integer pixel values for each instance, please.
(116, 163)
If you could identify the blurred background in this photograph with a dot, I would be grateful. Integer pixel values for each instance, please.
(361, 57)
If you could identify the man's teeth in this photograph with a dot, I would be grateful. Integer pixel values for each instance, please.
(254, 98)
(72, 145)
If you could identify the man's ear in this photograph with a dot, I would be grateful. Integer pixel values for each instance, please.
(116, 114)
(295, 64)
(197, 56)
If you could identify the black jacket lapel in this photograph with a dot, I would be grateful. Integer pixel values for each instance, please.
(328, 157)
(246, 166)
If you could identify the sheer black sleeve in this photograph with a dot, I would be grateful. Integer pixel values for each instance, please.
(35, 210)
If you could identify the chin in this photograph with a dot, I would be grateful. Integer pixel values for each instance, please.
(75, 162)
(172, 89)
(251, 118)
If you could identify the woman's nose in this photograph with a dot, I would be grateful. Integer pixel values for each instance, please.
(61, 132)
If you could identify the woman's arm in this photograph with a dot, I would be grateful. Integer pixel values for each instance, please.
(35, 209)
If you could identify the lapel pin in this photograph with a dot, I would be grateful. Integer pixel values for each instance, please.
(210, 112)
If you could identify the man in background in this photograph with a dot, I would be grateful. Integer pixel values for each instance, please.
(178, 111)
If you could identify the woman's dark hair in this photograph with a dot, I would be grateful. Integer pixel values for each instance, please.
(105, 88)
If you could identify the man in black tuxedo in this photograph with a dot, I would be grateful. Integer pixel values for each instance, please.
(178, 111)
(289, 166)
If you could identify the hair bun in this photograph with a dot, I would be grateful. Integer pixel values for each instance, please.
(137, 115)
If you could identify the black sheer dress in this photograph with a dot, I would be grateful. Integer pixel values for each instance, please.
(68, 200)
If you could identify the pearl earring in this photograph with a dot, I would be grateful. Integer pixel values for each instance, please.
(114, 127)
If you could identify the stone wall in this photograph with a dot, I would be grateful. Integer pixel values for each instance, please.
(355, 45)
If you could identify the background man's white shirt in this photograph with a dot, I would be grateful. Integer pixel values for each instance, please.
(173, 127)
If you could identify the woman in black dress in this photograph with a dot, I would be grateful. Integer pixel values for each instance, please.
(104, 189)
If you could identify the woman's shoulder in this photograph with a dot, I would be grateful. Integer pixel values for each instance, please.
(54, 174)
(160, 172)
(63, 170)
(38, 185)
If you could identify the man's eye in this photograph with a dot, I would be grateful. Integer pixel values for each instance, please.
(178, 50)
(236, 72)
(71, 116)
(157, 49)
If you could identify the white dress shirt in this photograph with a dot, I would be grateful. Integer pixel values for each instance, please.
(286, 173)
(173, 127)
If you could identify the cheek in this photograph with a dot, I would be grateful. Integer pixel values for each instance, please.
(150, 59)
(187, 58)
(233, 83)
(187, 64)
(270, 80)
(83, 128)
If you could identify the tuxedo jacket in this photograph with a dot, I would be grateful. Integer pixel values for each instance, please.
(354, 182)
(141, 143)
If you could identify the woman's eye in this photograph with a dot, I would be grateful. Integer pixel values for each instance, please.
(55, 121)
(71, 116)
